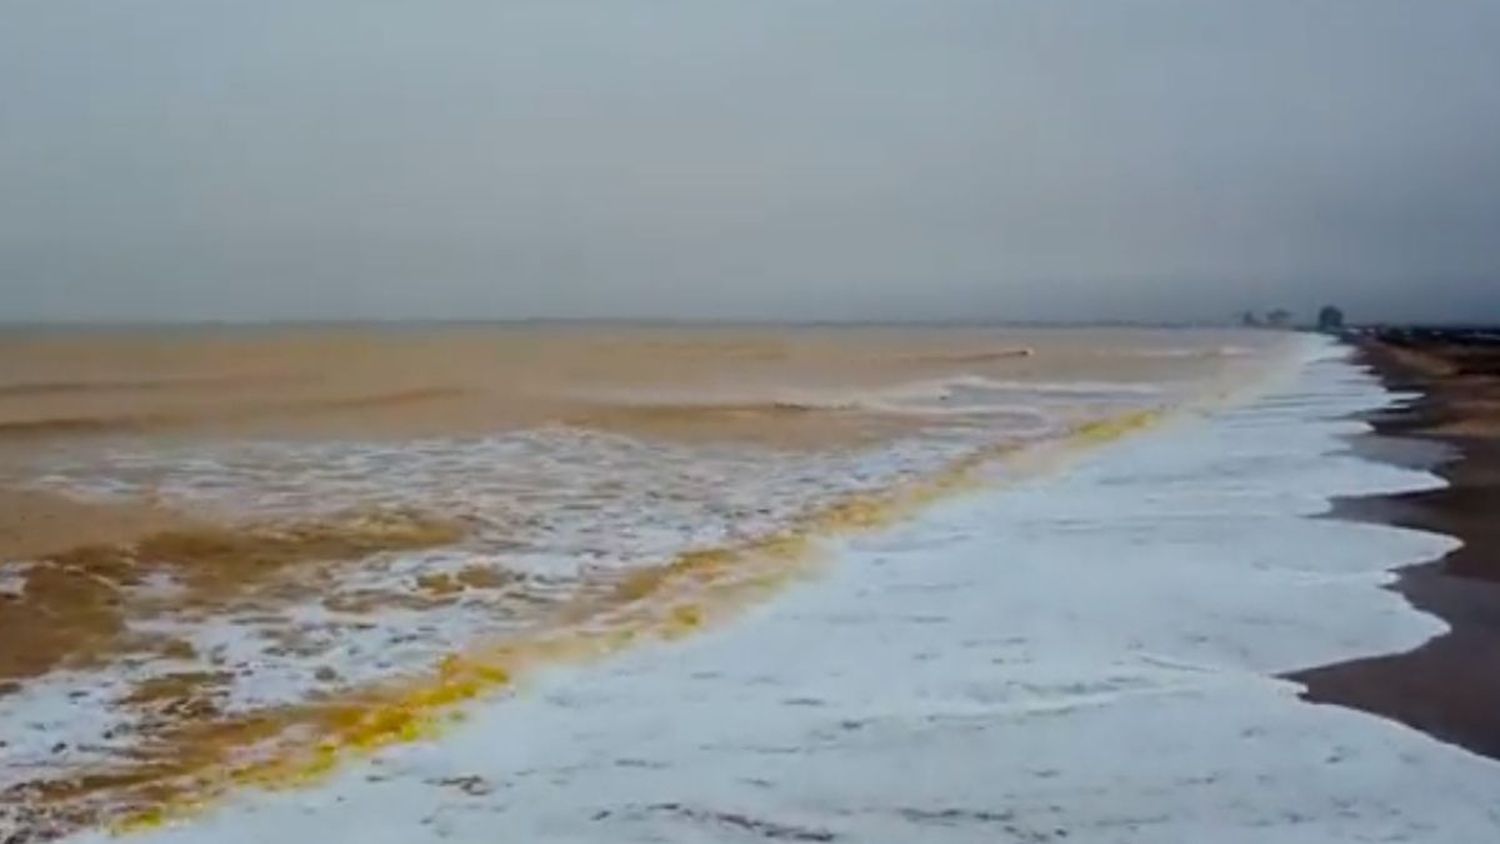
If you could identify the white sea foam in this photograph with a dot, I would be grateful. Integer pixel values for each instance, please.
(12, 578)
(1191, 352)
(1085, 657)
(556, 507)
(1065, 388)
(554, 499)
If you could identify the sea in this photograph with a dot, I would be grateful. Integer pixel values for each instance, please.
(584, 583)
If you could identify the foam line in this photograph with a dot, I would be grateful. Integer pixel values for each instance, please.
(299, 746)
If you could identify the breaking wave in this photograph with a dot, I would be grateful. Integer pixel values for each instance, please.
(976, 357)
(28, 389)
(146, 423)
(195, 760)
(974, 394)
(1217, 352)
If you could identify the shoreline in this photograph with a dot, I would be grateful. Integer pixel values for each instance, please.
(1449, 687)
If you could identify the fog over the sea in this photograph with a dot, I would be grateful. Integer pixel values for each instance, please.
(748, 159)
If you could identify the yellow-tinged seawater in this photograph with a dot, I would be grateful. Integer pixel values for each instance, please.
(663, 603)
(271, 600)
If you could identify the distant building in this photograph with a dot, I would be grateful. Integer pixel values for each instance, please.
(1249, 319)
(1330, 319)
(1279, 318)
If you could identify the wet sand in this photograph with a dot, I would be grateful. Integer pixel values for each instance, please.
(1449, 687)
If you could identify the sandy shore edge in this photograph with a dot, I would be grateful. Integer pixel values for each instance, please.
(1448, 688)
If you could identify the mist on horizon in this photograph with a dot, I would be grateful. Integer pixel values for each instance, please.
(966, 160)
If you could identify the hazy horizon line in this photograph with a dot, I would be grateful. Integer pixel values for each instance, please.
(11, 326)
(586, 321)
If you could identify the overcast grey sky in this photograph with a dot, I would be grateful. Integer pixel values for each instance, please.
(860, 159)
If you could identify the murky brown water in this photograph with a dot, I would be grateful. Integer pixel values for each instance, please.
(210, 539)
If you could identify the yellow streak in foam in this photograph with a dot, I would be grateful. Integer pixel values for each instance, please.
(664, 603)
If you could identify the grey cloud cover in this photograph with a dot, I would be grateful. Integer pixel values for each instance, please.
(862, 159)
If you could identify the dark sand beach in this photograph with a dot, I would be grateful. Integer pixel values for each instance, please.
(1449, 687)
